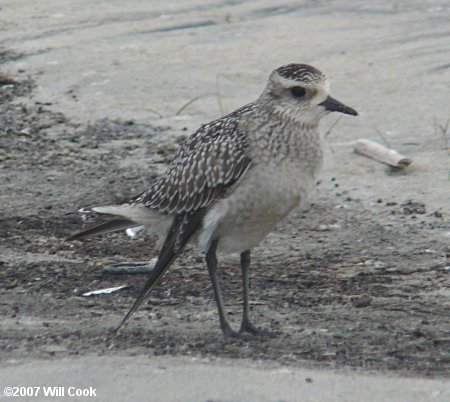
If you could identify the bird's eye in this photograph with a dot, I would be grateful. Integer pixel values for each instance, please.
(298, 92)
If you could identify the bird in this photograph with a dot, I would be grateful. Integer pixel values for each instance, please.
(232, 181)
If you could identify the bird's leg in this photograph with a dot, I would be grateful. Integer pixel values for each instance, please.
(246, 325)
(211, 262)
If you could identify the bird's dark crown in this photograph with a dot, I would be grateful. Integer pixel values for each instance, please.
(301, 73)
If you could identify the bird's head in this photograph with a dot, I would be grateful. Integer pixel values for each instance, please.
(301, 92)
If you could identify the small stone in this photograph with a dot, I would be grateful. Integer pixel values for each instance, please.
(55, 349)
(326, 228)
(361, 301)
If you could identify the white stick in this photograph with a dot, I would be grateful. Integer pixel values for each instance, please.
(380, 153)
(104, 291)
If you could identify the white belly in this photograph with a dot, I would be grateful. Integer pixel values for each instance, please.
(262, 198)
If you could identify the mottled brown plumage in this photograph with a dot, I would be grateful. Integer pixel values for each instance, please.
(206, 164)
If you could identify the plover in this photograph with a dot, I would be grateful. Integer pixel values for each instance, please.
(233, 180)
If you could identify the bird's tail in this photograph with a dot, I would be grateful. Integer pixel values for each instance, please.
(106, 227)
(125, 217)
(182, 228)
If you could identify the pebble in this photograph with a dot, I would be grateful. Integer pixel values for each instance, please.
(361, 301)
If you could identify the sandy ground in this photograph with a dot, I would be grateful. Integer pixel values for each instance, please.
(91, 111)
(114, 378)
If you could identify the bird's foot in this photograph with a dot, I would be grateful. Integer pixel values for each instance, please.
(228, 332)
(249, 328)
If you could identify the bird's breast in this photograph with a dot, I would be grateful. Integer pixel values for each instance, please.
(270, 191)
(262, 198)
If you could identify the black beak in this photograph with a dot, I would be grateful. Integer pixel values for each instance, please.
(334, 105)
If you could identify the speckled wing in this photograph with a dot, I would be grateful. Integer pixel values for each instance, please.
(205, 166)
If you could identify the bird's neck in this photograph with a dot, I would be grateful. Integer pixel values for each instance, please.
(276, 138)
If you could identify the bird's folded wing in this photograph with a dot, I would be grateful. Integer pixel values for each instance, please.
(205, 167)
